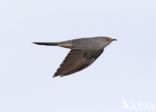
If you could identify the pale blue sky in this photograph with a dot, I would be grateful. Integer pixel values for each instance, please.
(126, 69)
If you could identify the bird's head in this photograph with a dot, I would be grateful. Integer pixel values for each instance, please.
(106, 40)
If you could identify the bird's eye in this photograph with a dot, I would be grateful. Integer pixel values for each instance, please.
(108, 39)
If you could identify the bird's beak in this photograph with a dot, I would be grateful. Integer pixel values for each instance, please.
(114, 39)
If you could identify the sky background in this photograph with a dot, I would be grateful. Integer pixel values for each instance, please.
(125, 71)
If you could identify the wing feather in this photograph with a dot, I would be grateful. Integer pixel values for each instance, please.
(75, 61)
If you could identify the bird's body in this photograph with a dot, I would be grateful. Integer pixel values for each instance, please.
(84, 52)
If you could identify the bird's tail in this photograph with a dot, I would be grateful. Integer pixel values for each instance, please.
(46, 43)
(65, 44)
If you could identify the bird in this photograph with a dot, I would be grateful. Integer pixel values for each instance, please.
(83, 52)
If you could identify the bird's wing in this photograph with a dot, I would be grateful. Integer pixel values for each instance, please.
(75, 61)
(72, 61)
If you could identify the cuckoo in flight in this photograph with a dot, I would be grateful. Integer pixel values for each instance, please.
(84, 52)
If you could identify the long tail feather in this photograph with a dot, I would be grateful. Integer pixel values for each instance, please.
(46, 43)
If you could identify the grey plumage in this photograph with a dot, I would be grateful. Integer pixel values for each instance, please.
(84, 52)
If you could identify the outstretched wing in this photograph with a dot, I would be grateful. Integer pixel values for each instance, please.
(72, 61)
(75, 61)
